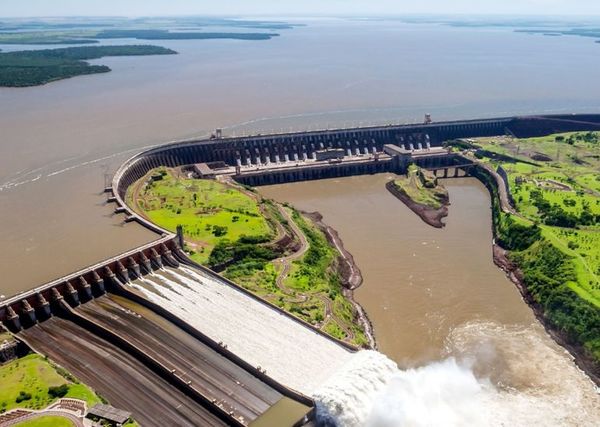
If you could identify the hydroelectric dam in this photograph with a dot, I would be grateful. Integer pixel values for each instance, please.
(177, 344)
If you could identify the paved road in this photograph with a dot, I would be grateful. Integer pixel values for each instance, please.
(286, 262)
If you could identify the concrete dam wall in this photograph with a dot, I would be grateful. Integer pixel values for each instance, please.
(260, 149)
(27, 308)
(149, 348)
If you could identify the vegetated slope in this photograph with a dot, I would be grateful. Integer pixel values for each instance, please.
(36, 67)
(421, 192)
(555, 237)
(271, 250)
(421, 188)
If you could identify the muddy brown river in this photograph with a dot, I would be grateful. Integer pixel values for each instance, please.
(420, 282)
(58, 141)
(435, 294)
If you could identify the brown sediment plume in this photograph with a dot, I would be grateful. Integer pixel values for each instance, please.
(349, 272)
(428, 214)
(581, 357)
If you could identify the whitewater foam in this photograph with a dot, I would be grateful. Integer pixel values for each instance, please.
(493, 376)
(290, 353)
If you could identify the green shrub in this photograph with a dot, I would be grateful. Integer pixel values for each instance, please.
(516, 237)
(23, 396)
(58, 391)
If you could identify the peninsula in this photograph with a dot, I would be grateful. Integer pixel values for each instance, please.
(273, 250)
(423, 194)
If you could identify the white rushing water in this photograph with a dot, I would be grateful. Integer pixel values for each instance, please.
(492, 375)
(291, 353)
(495, 376)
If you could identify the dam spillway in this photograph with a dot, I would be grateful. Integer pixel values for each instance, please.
(287, 350)
(99, 339)
(96, 334)
(117, 376)
(235, 389)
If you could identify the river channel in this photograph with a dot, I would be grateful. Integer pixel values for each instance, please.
(435, 294)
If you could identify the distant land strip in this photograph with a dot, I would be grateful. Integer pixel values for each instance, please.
(92, 37)
(38, 67)
(173, 35)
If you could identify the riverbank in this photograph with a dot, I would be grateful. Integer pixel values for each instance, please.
(349, 272)
(581, 358)
(38, 67)
(550, 264)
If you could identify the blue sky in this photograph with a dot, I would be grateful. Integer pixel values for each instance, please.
(294, 7)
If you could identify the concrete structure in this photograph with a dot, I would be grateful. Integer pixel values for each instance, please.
(8, 349)
(330, 154)
(28, 308)
(108, 413)
(251, 151)
(222, 388)
(202, 170)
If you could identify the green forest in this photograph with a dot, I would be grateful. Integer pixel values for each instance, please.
(554, 235)
(37, 67)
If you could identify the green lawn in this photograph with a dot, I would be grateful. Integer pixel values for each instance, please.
(48, 421)
(34, 375)
(209, 211)
(219, 222)
(570, 180)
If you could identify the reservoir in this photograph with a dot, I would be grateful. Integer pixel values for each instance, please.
(59, 142)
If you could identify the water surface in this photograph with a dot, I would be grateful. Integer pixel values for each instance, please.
(58, 141)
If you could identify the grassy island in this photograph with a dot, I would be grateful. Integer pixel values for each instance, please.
(423, 194)
(37, 67)
(273, 250)
(552, 236)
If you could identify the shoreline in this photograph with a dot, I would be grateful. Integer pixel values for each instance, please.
(578, 353)
(499, 201)
(349, 272)
(429, 215)
(584, 362)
